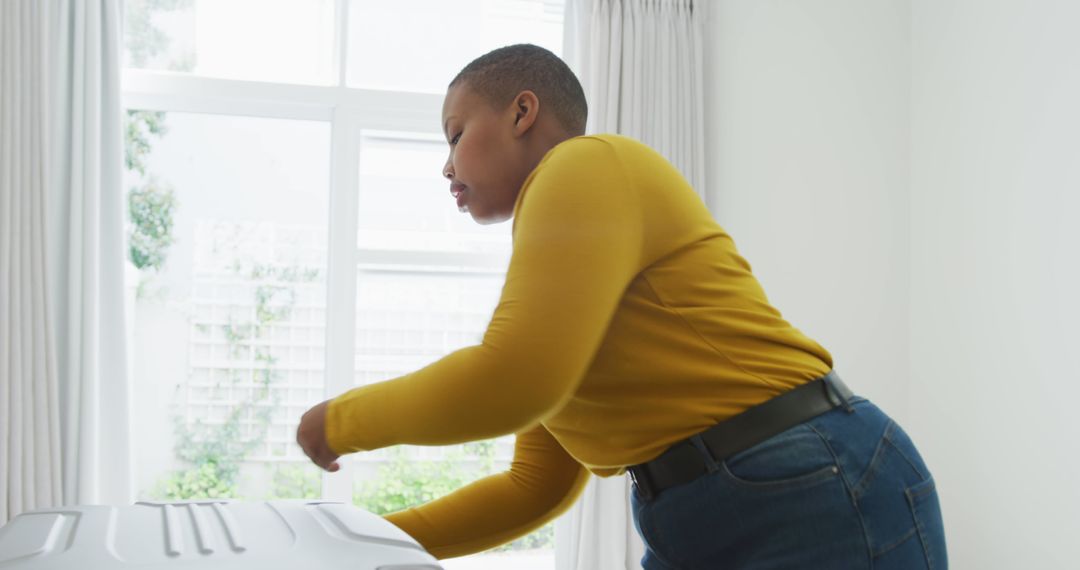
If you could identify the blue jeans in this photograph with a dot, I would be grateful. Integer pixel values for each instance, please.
(844, 490)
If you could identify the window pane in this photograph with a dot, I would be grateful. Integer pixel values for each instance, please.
(406, 320)
(438, 38)
(228, 232)
(262, 40)
(405, 203)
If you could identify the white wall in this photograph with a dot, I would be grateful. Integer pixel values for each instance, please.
(807, 168)
(995, 346)
(904, 175)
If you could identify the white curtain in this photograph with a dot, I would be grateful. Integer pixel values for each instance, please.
(88, 235)
(29, 402)
(641, 64)
(63, 357)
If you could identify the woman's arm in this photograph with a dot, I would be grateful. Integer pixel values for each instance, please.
(578, 242)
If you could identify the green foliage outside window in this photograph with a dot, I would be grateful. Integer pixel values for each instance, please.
(295, 481)
(144, 41)
(139, 128)
(403, 482)
(151, 203)
(150, 212)
(215, 453)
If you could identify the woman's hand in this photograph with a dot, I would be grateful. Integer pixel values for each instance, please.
(311, 435)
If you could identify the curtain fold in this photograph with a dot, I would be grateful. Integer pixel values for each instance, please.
(30, 469)
(641, 65)
(87, 252)
(63, 369)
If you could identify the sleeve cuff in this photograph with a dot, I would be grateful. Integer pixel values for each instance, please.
(332, 429)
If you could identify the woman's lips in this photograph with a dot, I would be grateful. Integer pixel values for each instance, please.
(458, 191)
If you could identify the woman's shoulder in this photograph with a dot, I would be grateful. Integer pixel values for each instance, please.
(596, 142)
(595, 152)
(577, 173)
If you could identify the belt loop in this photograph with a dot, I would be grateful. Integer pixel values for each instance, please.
(639, 474)
(834, 394)
(710, 462)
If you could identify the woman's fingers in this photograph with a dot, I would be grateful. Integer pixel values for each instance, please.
(311, 436)
(327, 459)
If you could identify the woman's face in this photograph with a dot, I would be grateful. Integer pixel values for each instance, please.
(485, 167)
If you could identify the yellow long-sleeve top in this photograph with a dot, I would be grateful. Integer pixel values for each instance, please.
(628, 322)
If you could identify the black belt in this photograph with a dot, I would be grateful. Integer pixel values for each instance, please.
(683, 462)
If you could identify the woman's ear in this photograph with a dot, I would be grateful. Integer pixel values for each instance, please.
(526, 107)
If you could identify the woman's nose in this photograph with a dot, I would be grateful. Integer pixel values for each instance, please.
(448, 169)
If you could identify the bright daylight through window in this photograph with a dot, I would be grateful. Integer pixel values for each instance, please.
(290, 237)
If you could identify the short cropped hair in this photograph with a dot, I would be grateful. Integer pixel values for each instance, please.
(501, 74)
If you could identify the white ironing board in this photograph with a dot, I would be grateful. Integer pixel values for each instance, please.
(209, 535)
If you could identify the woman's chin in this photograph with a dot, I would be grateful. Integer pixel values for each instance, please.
(487, 218)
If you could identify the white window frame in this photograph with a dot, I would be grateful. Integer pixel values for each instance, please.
(350, 111)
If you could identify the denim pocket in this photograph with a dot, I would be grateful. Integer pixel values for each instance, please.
(648, 527)
(926, 510)
(795, 458)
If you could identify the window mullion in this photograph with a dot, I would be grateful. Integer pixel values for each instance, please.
(341, 282)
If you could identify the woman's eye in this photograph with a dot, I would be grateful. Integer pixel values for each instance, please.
(455, 139)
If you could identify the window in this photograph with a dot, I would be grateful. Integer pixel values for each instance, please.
(441, 38)
(260, 40)
(290, 237)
